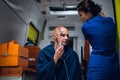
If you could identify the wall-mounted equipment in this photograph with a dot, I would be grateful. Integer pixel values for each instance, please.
(32, 35)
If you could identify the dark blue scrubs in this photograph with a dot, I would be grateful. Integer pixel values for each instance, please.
(103, 63)
(67, 67)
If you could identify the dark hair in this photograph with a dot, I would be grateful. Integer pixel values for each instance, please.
(89, 6)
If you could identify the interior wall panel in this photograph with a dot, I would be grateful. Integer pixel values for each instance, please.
(12, 27)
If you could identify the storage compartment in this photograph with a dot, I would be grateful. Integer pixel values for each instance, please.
(12, 54)
(33, 54)
(13, 61)
(11, 71)
(17, 73)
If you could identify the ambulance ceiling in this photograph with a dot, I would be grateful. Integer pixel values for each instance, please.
(59, 9)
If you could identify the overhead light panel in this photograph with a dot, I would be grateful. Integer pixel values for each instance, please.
(63, 12)
(67, 10)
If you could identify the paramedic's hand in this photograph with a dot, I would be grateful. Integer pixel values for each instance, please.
(58, 53)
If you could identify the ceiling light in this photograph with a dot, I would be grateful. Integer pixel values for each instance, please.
(63, 12)
(69, 10)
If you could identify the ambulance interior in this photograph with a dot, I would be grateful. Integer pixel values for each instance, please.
(31, 23)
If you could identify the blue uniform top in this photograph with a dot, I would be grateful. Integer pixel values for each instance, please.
(67, 67)
(101, 33)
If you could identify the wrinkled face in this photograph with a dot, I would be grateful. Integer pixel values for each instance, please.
(63, 36)
(84, 16)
